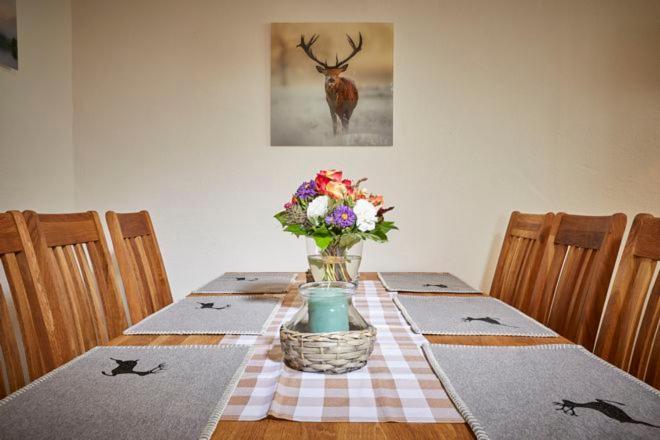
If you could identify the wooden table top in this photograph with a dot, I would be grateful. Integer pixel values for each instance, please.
(273, 428)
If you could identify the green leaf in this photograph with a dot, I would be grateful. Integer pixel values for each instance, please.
(281, 217)
(349, 240)
(382, 236)
(323, 241)
(322, 237)
(372, 236)
(297, 230)
(386, 226)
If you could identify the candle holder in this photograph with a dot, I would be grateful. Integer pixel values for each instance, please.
(327, 335)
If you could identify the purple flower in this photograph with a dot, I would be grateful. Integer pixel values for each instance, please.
(342, 217)
(306, 190)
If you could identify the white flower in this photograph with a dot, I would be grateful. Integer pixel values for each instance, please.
(366, 214)
(317, 208)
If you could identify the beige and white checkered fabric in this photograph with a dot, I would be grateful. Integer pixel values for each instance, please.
(396, 385)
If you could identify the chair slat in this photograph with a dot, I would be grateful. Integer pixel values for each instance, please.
(580, 258)
(546, 282)
(628, 336)
(646, 355)
(9, 347)
(92, 288)
(145, 270)
(21, 302)
(60, 240)
(138, 286)
(54, 279)
(91, 319)
(520, 257)
(79, 312)
(157, 264)
(140, 263)
(143, 278)
(524, 273)
(34, 310)
(112, 306)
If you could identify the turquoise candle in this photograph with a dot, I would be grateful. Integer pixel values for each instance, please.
(328, 310)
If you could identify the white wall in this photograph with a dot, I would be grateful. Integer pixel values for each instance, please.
(528, 105)
(36, 112)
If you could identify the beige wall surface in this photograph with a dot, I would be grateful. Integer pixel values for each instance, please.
(499, 106)
(36, 112)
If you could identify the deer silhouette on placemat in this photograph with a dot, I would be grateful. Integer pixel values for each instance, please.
(488, 320)
(605, 407)
(210, 306)
(127, 367)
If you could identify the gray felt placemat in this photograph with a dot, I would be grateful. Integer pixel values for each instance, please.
(545, 392)
(173, 392)
(451, 315)
(249, 282)
(424, 282)
(210, 315)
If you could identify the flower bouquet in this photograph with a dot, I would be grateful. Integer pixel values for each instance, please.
(336, 215)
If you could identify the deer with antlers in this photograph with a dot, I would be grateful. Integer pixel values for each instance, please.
(340, 93)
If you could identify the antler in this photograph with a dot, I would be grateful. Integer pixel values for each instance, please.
(356, 49)
(307, 47)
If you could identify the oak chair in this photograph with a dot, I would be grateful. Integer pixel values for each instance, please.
(520, 258)
(32, 306)
(75, 263)
(575, 273)
(628, 336)
(140, 263)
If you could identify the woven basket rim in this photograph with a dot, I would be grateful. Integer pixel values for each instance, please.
(290, 330)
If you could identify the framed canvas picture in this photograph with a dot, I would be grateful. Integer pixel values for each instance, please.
(8, 35)
(332, 84)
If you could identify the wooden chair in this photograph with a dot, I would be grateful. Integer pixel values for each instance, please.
(75, 263)
(140, 263)
(575, 273)
(31, 303)
(628, 336)
(520, 258)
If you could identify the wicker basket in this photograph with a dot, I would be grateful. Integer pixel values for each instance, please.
(328, 353)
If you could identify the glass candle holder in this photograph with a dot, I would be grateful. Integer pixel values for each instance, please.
(327, 307)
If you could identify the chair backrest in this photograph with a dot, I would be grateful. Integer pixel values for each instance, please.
(140, 263)
(520, 257)
(31, 303)
(575, 274)
(628, 333)
(75, 263)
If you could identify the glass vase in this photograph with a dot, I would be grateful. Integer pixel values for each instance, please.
(334, 263)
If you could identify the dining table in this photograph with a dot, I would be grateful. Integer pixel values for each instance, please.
(275, 428)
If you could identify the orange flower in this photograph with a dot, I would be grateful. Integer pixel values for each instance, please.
(376, 199)
(336, 190)
(325, 176)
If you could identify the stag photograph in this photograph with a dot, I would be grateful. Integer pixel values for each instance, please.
(8, 35)
(332, 84)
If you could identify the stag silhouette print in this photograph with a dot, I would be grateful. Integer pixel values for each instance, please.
(126, 367)
(341, 93)
(488, 320)
(603, 406)
(210, 306)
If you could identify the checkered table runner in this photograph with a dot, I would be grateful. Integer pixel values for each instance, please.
(396, 385)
